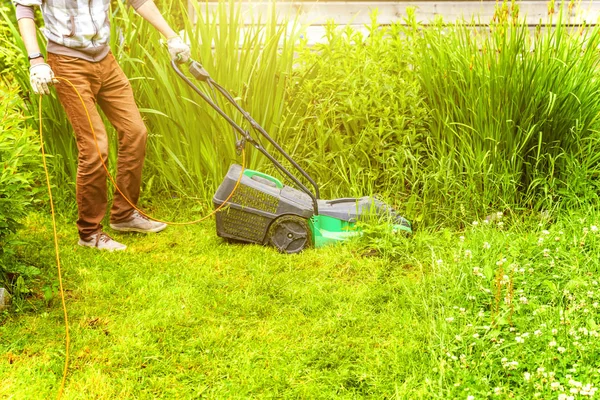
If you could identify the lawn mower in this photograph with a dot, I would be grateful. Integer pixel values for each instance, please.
(263, 210)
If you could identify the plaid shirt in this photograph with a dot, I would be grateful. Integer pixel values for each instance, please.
(80, 26)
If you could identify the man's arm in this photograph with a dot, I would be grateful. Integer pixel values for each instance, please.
(150, 13)
(28, 31)
(177, 48)
(41, 76)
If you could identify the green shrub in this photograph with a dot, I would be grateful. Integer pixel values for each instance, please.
(19, 173)
(356, 115)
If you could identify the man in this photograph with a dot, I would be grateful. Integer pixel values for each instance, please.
(78, 36)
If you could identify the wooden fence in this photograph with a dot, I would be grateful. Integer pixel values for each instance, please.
(315, 14)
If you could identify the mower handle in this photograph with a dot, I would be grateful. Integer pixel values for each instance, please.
(198, 72)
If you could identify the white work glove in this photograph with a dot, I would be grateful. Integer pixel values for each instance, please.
(178, 49)
(41, 78)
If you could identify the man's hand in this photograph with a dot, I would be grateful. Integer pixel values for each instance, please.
(41, 78)
(178, 49)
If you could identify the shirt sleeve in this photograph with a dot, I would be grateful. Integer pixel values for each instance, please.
(133, 3)
(23, 11)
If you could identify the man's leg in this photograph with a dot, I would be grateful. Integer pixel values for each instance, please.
(116, 100)
(91, 176)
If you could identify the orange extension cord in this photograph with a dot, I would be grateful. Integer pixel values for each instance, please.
(56, 247)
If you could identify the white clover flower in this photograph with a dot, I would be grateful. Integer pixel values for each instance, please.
(486, 245)
(545, 232)
(440, 262)
(561, 349)
(461, 238)
(470, 397)
(540, 370)
(554, 331)
(476, 335)
(500, 224)
(552, 344)
(475, 223)
(574, 391)
(450, 319)
(546, 252)
(519, 339)
(594, 228)
(526, 376)
(468, 253)
(485, 221)
(538, 333)
(497, 391)
(523, 300)
(585, 229)
(458, 338)
(540, 241)
(555, 385)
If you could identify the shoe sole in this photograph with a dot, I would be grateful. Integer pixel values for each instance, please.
(96, 247)
(139, 230)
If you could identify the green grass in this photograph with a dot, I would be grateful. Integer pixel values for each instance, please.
(183, 315)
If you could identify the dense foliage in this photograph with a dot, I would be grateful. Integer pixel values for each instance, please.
(356, 113)
(19, 174)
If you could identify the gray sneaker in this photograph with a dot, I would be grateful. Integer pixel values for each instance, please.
(139, 223)
(103, 242)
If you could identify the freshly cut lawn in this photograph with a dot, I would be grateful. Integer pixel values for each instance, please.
(183, 314)
(504, 309)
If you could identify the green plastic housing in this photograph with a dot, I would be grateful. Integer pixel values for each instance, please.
(328, 230)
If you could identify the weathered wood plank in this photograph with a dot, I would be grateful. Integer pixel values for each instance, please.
(358, 12)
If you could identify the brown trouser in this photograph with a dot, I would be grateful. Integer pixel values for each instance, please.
(105, 84)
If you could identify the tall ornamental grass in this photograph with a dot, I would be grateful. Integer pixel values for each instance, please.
(514, 111)
(190, 146)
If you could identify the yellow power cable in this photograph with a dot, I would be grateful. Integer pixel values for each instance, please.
(56, 247)
(60, 282)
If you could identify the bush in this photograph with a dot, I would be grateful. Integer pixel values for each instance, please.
(19, 158)
(356, 115)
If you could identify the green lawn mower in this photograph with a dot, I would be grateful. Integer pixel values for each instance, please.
(263, 210)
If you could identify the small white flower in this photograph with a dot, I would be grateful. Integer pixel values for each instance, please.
(519, 339)
(552, 344)
(561, 349)
(523, 299)
(468, 253)
(476, 335)
(461, 238)
(475, 223)
(554, 331)
(486, 245)
(440, 262)
(546, 252)
(470, 397)
(545, 232)
(458, 338)
(526, 376)
(537, 333)
(594, 228)
(450, 319)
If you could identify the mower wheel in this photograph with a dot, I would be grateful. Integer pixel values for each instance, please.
(289, 234)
